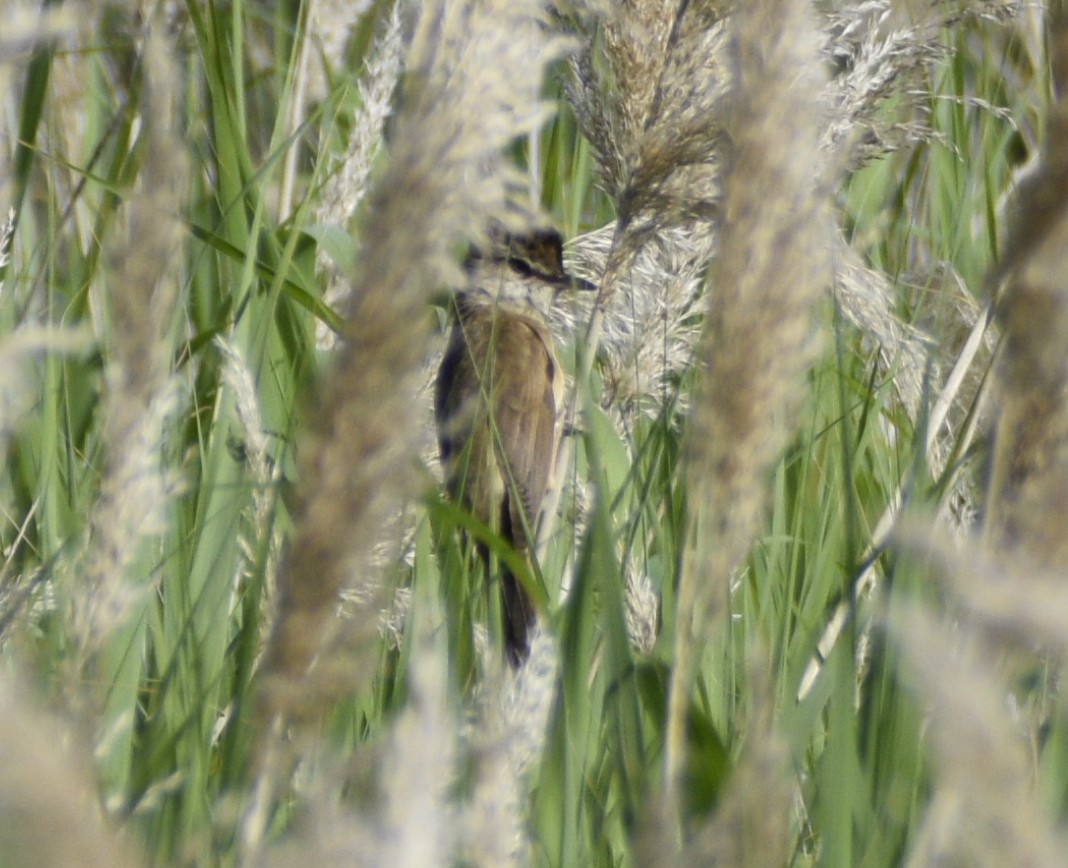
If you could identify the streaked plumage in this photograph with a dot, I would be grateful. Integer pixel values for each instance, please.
(497, 400)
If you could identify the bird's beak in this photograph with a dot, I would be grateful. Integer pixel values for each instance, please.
(581, 284)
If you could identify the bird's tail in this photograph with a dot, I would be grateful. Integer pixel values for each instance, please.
(519, 619)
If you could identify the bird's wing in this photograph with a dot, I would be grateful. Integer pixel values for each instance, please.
(459, 407)
(524, 413)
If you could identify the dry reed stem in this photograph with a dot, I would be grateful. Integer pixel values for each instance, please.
(49, 810)
(414, 825)
(651, 115)
(1028, 492)
(473, 79)
(667, 60)
(984, 809)
(141, 295)
(986, 589)
(406, 813)
(472, 86)
(505, 741)
(613, 93)
(772, 266)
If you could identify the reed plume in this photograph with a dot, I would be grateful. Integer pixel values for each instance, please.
(1028, 490)
(771, 267)
(346, 185)
(140, 295)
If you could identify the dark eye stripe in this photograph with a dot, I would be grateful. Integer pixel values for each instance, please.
(528, 269)
(520, 265)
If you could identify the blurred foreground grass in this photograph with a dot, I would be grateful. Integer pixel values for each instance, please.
(185, 188)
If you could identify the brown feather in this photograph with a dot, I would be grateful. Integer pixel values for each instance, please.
(496, 402)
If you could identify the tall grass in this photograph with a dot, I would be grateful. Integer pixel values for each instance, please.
(787, 618)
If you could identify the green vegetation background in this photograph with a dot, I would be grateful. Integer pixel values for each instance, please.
(170, 692)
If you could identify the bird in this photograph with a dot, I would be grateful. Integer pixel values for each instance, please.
(497, 401)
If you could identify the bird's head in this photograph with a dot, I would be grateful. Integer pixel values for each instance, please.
(521, 272)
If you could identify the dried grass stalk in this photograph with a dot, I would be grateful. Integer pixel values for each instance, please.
(984, 809)
(473, 78)
(49, 811)
(414, 827)
(506, 740)
(141, 294)
(1028, 493)
(986, 590)
(771, 268)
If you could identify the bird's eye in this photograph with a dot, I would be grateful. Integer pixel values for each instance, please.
(520, 266)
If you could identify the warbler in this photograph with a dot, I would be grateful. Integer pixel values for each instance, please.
(498, 399)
